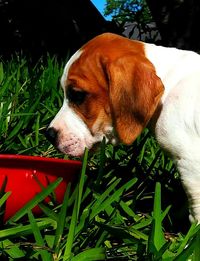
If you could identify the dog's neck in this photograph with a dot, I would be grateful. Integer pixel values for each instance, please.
(172, 64)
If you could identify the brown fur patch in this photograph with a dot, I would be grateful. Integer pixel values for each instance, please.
(121, 82)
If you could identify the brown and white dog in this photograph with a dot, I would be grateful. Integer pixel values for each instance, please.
(113, 87)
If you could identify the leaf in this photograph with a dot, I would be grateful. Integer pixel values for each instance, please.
(38, 238)
(188, 251)
(102, 164)
(12, 249)
(105, 195)
(118, 232)
(4, 198)
(1, 72)
(81, 182)
(61, 220)
(20, 230)
(75, 213)
(100, 206)
(91, 255)
(129, 211)
(156, 238)
(71, 234)
(48, 211)
(191, 232)
(196, 255)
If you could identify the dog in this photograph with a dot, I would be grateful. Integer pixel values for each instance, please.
(114, 87)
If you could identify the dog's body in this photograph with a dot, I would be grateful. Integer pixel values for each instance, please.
(114, 87)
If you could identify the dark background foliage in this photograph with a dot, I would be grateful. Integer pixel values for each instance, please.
(178, 22)
(41, 26)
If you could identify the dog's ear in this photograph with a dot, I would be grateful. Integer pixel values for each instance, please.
(135, 91)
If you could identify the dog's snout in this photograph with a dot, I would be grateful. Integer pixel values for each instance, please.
(51, 134)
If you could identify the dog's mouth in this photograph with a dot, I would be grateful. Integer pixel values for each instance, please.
(73, 148)
(77, 149)
(73, 145)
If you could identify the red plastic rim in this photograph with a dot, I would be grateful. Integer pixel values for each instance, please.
(24, 174)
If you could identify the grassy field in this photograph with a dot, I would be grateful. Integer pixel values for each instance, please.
(128, 203)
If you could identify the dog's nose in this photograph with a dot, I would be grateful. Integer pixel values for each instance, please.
(51, 135)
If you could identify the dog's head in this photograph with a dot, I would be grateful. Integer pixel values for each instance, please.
(111, 90)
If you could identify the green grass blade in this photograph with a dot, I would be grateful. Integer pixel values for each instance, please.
(129, 211)
(93, 254)
(188, 251)
(18, 231)
(38, 238)
(191, 232)
(76, 209)
(48, 211)
(38, 198)
(109, 199)
(82, 219)
(12, 249)
(102, 164)
(4, 198)
(137, 234)
(61, 221)
(159, 238)
(118, 232)
(156, 238)
(16, 130)
(105, 195)
(143, 223)
(196, 256)
(5, 86)
(1, 72)
(81, 182)
(37, 127)
(165, 212)
(71, 234)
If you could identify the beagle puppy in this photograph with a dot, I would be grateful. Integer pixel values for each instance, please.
(113, 87)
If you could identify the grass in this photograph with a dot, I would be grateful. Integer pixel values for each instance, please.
(127, 205)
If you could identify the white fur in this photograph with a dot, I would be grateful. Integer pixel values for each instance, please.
(178, 127)
(74, 57)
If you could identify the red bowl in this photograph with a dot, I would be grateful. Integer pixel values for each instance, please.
(26, 173)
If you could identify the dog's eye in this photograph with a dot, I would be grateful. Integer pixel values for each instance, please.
(76, 96)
